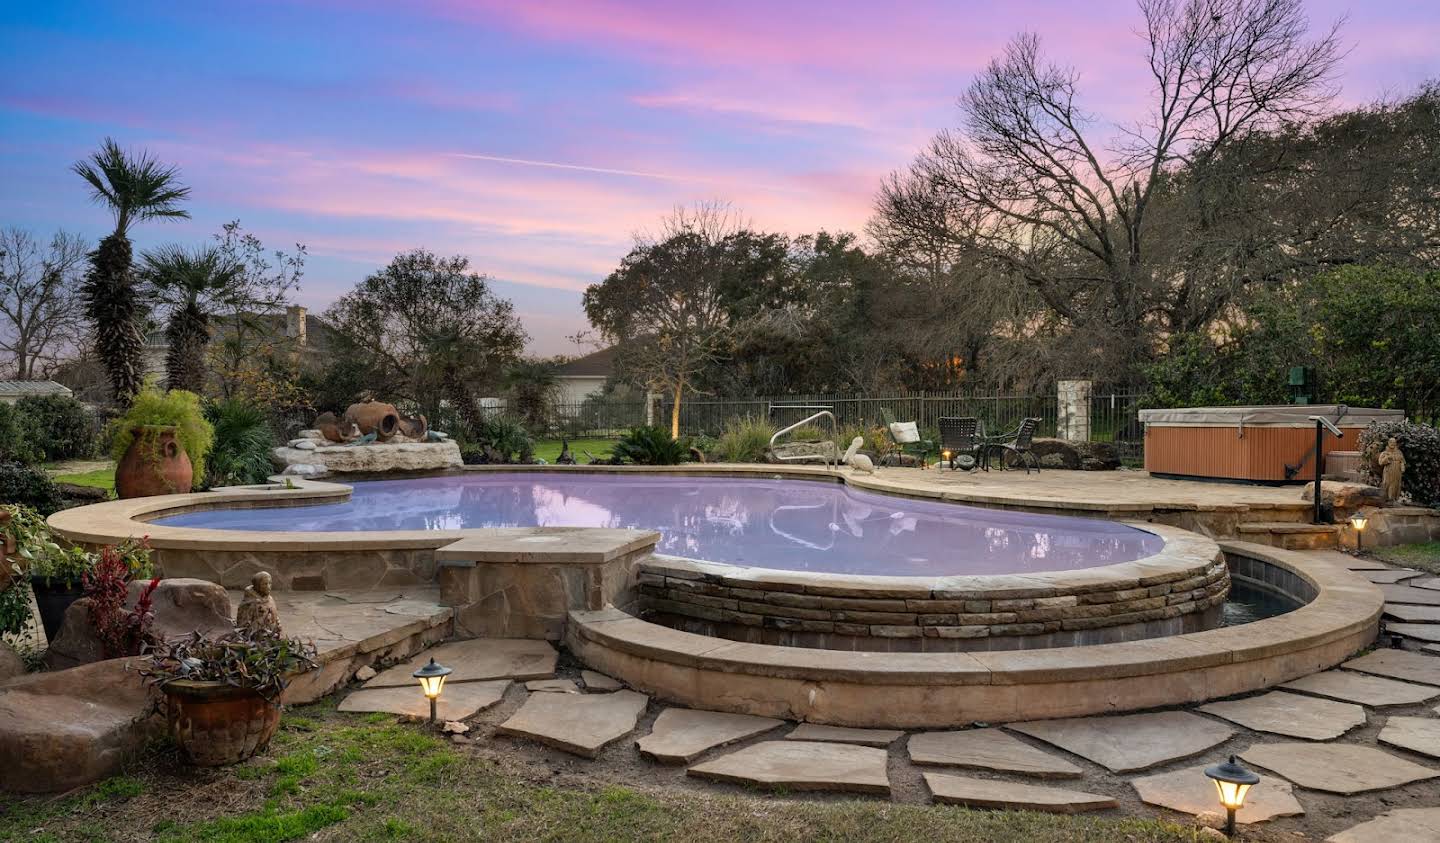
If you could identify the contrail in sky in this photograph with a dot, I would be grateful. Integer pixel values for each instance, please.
(555, 165)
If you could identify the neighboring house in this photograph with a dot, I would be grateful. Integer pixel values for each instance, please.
(585, 376)
(309, 337)
(12, 391)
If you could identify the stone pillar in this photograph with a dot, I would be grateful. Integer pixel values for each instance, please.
(1073, 419)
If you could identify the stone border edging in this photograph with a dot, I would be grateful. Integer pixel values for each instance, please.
(918, 690)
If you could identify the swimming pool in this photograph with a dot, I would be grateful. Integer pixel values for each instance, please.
(785, 524)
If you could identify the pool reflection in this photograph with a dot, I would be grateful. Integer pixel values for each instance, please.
(787, 524)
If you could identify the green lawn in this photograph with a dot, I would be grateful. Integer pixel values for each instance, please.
(549, 449)
(1422, 557)
(331, 776)
(100, 478)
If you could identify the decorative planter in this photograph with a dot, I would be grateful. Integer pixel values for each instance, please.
(215, 724)
(52, 599)
(154, 464)
(375, 417)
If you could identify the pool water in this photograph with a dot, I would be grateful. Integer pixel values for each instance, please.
(794, 525)
(1247, 603)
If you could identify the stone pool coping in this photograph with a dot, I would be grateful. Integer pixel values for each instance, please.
(932, 690)
(113, 521)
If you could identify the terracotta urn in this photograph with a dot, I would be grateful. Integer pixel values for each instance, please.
(374, 417)
(154, 464)
(216, 724)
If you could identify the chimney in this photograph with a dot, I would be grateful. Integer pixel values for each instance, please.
(295, 324)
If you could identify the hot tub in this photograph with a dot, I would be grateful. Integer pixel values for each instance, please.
(1272, 444)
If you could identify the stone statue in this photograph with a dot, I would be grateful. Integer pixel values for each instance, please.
(1392, 466)
(857, 460)
(257, 611)
(565, 458)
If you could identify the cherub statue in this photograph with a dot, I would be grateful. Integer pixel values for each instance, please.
(257, 611)
(1392, 466)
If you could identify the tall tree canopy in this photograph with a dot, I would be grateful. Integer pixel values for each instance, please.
(429, 329)
(1073, 215)
(135, 187)
(666, 304)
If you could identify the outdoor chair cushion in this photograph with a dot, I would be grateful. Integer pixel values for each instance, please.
(906, 433)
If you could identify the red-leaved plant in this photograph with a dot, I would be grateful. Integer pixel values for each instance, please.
(121, 632)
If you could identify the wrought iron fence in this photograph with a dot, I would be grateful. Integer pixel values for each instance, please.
(1113, 415)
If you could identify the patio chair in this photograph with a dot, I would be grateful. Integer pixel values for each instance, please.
(1018, 448)
(905, 439)
(962, 438)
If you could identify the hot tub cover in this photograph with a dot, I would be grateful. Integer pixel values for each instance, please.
(1275, 415)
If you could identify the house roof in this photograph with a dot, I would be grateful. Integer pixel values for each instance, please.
(23, 388)
(599, 364)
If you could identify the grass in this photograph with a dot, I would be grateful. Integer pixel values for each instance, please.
(549, 449)
(330, 776)
(1422, 557)
(100, 478)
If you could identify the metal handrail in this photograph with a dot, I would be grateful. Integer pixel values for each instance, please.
(832, 459)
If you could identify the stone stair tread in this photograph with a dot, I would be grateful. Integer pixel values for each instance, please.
(1286, 527)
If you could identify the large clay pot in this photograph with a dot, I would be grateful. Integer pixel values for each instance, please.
(374, 417)
(215, 724)
(154, 464)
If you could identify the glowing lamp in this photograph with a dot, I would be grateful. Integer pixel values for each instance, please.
(946, 454)
(1359, 522)
(1233, 780)
(432, 682)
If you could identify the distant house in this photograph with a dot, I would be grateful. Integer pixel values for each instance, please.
(12, 391)
(310, 338)
(585, 376)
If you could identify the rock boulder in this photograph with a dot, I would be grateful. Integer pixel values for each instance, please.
(1076, 456)
(1345, 495)
(181, 606)
(374, 458)
(64, 729)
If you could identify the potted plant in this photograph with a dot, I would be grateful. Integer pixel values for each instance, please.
(222, 695)
(160, 444)
(57, 573)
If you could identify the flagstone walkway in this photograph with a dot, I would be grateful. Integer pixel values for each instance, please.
(1365, 766)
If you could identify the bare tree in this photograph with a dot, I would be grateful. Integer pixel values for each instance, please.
(40, 309)
(665, 306)
(1069, 214)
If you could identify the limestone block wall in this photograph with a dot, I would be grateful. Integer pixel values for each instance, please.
(944, 615)
(533, 599)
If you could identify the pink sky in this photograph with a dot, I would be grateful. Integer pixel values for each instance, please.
(537, 138)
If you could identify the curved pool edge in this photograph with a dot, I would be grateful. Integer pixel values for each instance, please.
(230, 556)
(946, 690)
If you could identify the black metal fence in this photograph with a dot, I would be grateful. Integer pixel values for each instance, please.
(1113, 415)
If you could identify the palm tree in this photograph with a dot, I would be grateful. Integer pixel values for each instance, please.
(135, 187)
(534, 387)
(189, 284)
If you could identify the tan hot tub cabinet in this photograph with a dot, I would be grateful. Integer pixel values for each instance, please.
(1270, 444)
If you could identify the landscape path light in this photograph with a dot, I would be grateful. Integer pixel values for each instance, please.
(1233, 780)
(1359, 521)
(432, 682)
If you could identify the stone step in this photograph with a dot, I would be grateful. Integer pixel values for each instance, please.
(1291, 535)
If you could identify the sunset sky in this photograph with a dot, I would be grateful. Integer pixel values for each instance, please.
(537, 137)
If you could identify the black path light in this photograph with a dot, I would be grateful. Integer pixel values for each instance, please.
(432, 682)
(1359, 521)
(1233, 780)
